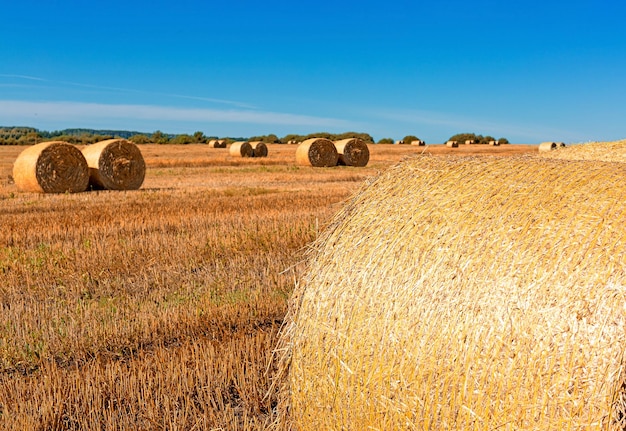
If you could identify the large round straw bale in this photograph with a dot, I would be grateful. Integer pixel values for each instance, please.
(602, 151)
(51, 167)
(213, 143)
(259, 149)
(352, 152)
(115, 164)
(317, 152)
(435, 303)
(241, 149)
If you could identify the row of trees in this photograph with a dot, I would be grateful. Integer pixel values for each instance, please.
(480, 139)
(30, 136)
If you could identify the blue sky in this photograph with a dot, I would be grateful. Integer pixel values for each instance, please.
(528, 71)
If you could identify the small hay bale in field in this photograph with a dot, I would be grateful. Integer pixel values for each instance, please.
(452, 144)
(548, 146)
(601, 151)
(213, 143)
(259, 149)
(240, 149)
(435, 303)
(115, 164)
(51, 167)
(352, 152)
(418, 142)
(221, 143)
(317, 152)
(494, 143)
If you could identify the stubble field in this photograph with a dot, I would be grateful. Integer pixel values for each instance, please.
(160, 308)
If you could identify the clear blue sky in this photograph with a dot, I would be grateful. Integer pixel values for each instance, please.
(529, 71)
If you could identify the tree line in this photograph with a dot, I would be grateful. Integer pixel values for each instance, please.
(30, 136)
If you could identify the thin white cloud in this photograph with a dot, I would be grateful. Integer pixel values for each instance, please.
(26, 111)
(128, 90)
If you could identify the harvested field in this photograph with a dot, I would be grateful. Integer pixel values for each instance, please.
(159, 308)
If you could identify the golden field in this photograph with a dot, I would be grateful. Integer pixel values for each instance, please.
(159, 308)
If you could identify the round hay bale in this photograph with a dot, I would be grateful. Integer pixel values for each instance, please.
(51, 167)
(452, 144)
(352, 152)
(213, 143)
(418, 142)
(435, 303)
(259, 149)
(241, 149)
(317, 152)
(548, 146)
(602, 151)
(221, 143)
(115, 164)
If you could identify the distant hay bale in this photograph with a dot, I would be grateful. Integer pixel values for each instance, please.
(436, 303)
(317, 152)
(217, 143)
(550, 146)
(115, 164)
(240, 149)
(259, 149)
(352, 152)
(452, 144)
(471, 141)
(601, 151)
(400, 142)
(494, 143)
(51, 167)
(292, 142)
(418, 142)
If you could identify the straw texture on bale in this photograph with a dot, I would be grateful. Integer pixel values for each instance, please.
(317, 152)
(452, 144)
(241, 149)
(51, 167)
(602, 151)
(115, 164)
(352, 152)
(259, 149)
(434, 303)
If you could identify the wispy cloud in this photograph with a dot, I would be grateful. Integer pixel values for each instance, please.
(235, 103)
(25, 111)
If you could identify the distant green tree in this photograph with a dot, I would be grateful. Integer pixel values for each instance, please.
(182, 139)
(503, 141)
(139, 139)
(386, 141)
(199, 137)
(409, 138)
(462, 137)
(159, 137)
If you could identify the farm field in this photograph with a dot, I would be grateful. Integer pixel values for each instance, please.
(159, 308)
